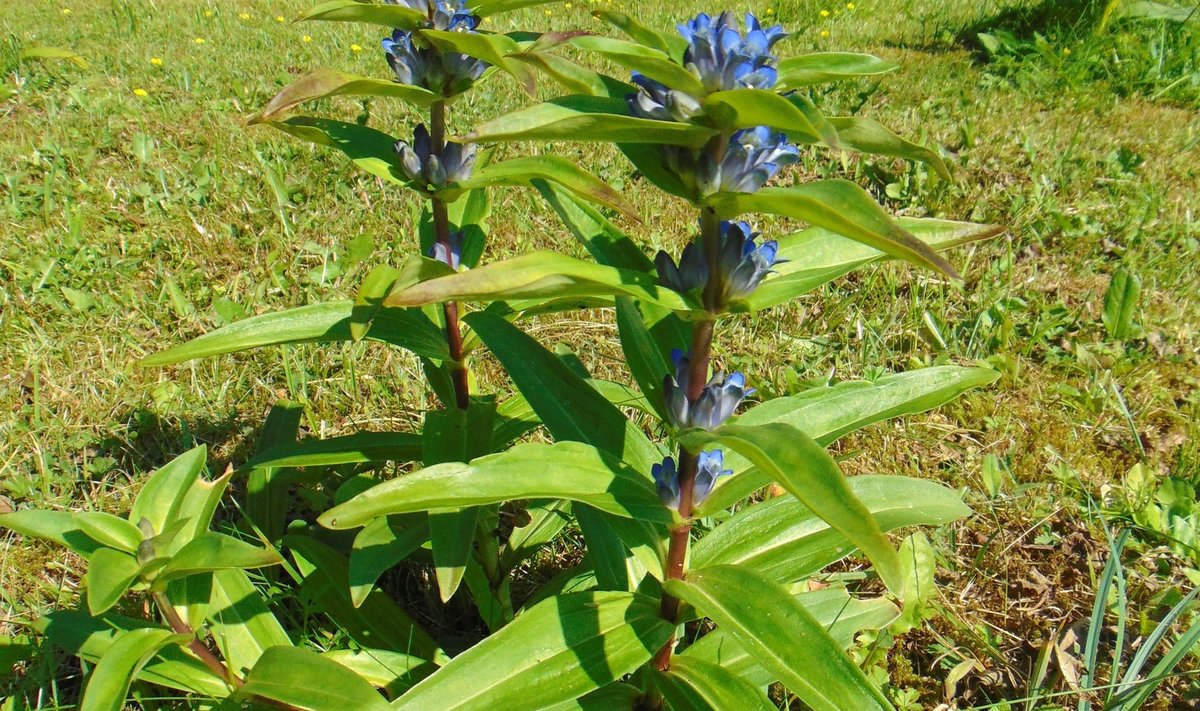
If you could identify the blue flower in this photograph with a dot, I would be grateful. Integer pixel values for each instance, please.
(418, 64)
(427, 170)
(753, 157)
(709, 466)
(743, 264)
(452, 255)
(718, 399)
(720, 57)
(666, 480)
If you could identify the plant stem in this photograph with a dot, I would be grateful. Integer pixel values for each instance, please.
(178, 625)
(441, 232)
(699, 357)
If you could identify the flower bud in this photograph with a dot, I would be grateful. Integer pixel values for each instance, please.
(716, 403)
(742, 265)
(418, 64)
(430, 171)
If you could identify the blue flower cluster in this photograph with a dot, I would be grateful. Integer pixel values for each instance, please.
(753, 156)
(418, 64)
(710, 465)
(718, 399)
(432, 171)
(743, 264)
(720, 57)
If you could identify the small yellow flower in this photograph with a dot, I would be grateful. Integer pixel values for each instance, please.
(66, 11)
(849, 6)
(156, 61)
(208, 13)
(770, 11)
(355, 48)
(824, 13)
(244, 16)
(199, 40)
(279, 18)
(567, 6)
(548, 13)
(824, 33)
(306, 38)
(140, 92)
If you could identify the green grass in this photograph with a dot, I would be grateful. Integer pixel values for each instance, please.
(134, 222)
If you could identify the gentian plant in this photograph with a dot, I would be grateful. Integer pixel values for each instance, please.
(694, 592)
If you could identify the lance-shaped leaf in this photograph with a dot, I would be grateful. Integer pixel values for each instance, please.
(565, 470)
(821, 67)
(163, 495)
(379, 546)
(651, 62)
(587, 118)
(602, 239)
(108, 577)
(816, 256)
(784, 540)
(393, 672)
(573, 77)
(215, 551)
(745, 108)
(90, 638)
(700, 685)
(554, 652)
(120, 664)
(842, 616)
(240, 621)
(61, 527)
(317, 323)
(867, 136)
(640, 33)
(826, 413)
(764, 618)
(491, 48)
(302, 679)
(349, 449)
(840, 206)
(402, 16)
(369, 149)
(526, 170)
(488, 8)
(331, 82)
(110, 530)
(808, 472)
(541, 275)
(42, 53)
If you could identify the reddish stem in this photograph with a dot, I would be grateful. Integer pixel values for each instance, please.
(441, 232)
(178, 625)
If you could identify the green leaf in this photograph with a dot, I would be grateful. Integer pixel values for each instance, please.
(120, 664)
(331, 82)
(636, 30)
(240, 621)
(91, 638)
(491, 48)
(544, 275)
(379, 546)
(807, 472)
(316, 323)
(526, 170)
(61, 527)
(586, 118)
(163, 495)
(377, 622)
(369, 298)
(784, 540)
(108, 577)
(787, 640)
(746, 108)
(616, 696)
(1120, 304)
(556, 651)
(654, 63)
(842, 616)
(646, 361)
(607, 244)
(109, 530)
(546, 520)
(918, 567)
(215, 551)
(41, 53)
(816, 256)
(571, 76)
(564, 470)
(840, 206)
(373, 151)
(821, 67)
(488, 8)
(302, 679)
(267, 494)
(867, 136)
(347, 449)
(694, 683)
(826, 413)
(400, 16)
(391, 671)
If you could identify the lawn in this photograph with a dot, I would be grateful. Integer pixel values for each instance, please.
(138, 209)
